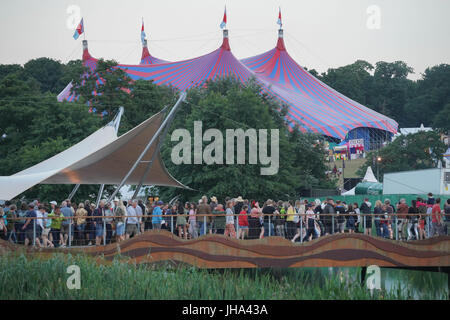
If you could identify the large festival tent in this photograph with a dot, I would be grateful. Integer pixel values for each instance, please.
(312, 105)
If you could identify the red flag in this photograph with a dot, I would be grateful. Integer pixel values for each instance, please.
(224, 20)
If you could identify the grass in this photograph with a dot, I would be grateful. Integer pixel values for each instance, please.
(22, 277)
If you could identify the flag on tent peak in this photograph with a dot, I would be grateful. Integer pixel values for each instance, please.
(224, 20)
(279, 18)
(143, 35)
(79, 30)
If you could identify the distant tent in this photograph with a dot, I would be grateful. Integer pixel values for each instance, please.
(368, 180)
(369, 176)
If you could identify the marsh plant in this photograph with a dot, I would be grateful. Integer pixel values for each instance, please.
(23, 277)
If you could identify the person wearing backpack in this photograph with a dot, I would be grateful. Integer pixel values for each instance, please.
(365, 209)
(340, 210)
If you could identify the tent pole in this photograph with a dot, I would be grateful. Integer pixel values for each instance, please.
(138, 188)
(99, 196)
(155, 136)
(149, 166)
(75, 189)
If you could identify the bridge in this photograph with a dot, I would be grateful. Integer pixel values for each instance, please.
(218, 251)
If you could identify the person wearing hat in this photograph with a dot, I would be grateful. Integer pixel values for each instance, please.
(53, 204)
(55, 227)
(310, 219)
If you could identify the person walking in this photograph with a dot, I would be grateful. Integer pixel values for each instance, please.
(181, 221)
(132, 226)
(310, 219)
(193, 230)
(402, 211)
(243, 223)
(436, 219)
(378, 213)
(413, 221)
(280, 219)
(120, 213)
(67, 223)
(204, 210)
(268, 212)
(351, 219)
(80, 222)
(447, 216)
(30, 227)
(367, 218)
(98, 216)
(56, 218)
(109, 220)
(219, 221)
(328, 218)
(21, 214)
(255, 227)
(340, 211)
(422, 208)
(157, 215)
(229, 227)
(290, 224)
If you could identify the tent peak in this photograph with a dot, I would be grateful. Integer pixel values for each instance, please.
(145, 52)
(86, 54)
(225, 44)
(280, 42)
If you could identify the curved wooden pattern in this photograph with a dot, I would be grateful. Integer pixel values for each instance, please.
(217, 251)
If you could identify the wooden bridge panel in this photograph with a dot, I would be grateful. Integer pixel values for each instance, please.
(217, 251)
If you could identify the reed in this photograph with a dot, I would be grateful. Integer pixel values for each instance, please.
(24, 277)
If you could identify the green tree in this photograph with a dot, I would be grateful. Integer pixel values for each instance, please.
(417, 151)
(227, 104)
(353, 80)
(441, 121)
(105, 88)
(47, 72)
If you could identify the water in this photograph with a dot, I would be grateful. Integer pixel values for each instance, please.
(412, 284)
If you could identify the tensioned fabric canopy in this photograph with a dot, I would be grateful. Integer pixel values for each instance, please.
(312, 105)
(101, 158)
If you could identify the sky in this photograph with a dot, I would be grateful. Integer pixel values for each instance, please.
(319, 34)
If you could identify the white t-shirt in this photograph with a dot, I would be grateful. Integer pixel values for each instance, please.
(132, 213)
(40, 222)
(229, 216)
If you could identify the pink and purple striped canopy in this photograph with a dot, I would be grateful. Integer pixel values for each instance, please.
(313, 106)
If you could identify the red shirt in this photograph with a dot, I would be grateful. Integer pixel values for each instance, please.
(435, 213)
(243, 221)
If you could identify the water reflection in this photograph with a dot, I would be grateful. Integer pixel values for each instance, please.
(410, 283)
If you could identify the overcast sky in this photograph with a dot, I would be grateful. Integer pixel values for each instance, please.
(319, 34)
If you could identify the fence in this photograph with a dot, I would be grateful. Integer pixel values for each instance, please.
(271, 222)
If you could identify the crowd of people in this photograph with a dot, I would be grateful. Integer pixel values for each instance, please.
(60, 225)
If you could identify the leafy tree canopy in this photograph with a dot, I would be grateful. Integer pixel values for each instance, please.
(417, 151)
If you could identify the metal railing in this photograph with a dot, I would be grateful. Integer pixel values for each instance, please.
(386, 220)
